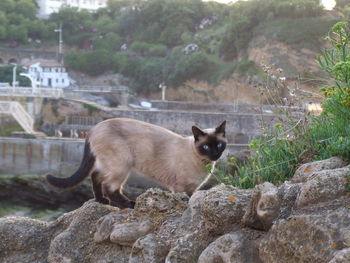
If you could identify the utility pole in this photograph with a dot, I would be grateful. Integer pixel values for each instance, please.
(60, 42)
(14, 76)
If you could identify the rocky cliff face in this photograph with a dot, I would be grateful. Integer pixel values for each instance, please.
(304, 220)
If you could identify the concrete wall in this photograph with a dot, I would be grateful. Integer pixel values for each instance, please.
(240, 128)
(42, 156)
(39, 156)
(220, 107)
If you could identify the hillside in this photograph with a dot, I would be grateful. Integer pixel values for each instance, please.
(201, 50)
(287, 47)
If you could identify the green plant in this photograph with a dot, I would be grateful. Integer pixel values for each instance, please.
(7, 130)
(277, 154)
(91, 108)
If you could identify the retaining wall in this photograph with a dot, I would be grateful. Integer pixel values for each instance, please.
(240, 128)
(42, 156)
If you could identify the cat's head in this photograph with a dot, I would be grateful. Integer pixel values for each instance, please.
(210, 143)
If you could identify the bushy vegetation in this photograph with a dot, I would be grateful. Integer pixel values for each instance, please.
(18, 22)
(299, 33)
(154, 33)
(277, 154)
(6, 76)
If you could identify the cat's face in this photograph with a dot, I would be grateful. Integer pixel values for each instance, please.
(210, 143)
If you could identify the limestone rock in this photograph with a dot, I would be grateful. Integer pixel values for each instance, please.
(104, 226)
(75, 243)
(126, 234)
(306, 170)
(188, 247)
(24, 240)
(223, 207)
(314, 236)
(263, 208)
(327, 185)
(289, 193)
(234, 247)
(342, 256)
(307, 221)
(155, 201)
(149, 249)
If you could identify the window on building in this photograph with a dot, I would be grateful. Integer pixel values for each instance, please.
(62, 80)
(56, 80)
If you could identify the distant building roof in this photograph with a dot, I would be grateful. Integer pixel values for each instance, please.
(44, 63)
(47, 7)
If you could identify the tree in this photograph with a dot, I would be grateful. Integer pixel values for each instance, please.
(6, 76)
(26, 8)
(7, 6)
(78, 25)
(17, 33)
(110, 42)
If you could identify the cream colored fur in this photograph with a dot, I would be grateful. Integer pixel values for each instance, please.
(123, 145)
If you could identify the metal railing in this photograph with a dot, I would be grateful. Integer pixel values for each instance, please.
(97, 89)
(19, 113)
(30, 92)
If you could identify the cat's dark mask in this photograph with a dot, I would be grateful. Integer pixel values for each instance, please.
(210, 144)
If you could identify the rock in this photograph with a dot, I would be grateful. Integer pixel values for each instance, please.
(223, 207)
(75, 242)
(149, 249)
(324, 186)
(126, 234)
(342, 256)
(209, 213)
(306, 170)
(188, 247)
(24, 240)
(104, 227)
(263, 208)
(231, 248)
(301, 222)
(313, 236)
(155, 201)
(289, 193)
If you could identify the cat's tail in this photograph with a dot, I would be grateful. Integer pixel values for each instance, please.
(83, 171)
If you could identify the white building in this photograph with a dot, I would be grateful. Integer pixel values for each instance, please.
(47, 7)
(49, 74)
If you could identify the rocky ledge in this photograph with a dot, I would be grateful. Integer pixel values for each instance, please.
(306, 219)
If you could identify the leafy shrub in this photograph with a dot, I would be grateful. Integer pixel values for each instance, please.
(277, 154)
(92, 62)
(157, 50)
(141, 47)
(148, 49)
(303, 32)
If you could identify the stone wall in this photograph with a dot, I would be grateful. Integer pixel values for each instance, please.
(240, 128)
(41, 156)
(220, 107)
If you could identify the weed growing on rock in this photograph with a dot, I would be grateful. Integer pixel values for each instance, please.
(301, 138)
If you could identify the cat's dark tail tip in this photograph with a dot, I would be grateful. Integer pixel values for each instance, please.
(55, 181)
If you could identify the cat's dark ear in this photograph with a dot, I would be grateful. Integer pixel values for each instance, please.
(197, 133)
(221, 128)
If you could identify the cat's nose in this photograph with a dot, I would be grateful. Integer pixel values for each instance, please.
(215, 156)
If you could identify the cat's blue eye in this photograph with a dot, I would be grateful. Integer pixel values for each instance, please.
(205, 147)
(219, 145)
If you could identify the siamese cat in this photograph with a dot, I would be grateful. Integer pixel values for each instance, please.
(116, 147)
